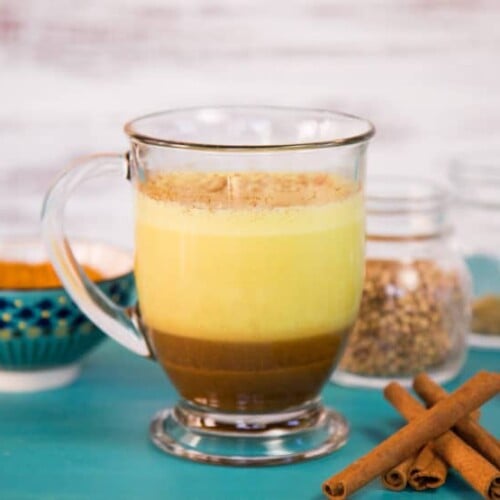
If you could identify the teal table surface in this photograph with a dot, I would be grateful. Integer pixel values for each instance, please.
(90, 441)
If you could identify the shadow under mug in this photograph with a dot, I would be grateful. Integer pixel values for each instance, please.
(248, 263)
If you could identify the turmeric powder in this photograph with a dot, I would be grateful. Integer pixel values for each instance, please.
(24, 275)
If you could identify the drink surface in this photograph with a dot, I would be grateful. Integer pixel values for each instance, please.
(237, 274)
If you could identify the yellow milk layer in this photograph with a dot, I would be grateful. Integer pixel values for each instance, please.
(249, 273)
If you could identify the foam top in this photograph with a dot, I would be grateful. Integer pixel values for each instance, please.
(247, 189)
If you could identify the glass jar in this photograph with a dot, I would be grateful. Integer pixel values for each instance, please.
(475, 182)
(414, 313)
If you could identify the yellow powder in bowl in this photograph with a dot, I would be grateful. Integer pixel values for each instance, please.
(23, 275)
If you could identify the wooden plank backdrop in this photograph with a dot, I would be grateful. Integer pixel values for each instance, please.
(71, 73)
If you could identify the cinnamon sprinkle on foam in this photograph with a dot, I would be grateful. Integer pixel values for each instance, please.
(248, 189)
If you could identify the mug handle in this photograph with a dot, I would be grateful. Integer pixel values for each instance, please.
(117, 322)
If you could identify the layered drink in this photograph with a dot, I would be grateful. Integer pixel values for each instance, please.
(248, 282)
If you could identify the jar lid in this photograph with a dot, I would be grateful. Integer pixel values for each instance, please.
(475, 178)
(405, 207)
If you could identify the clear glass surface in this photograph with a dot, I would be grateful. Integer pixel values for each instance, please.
(475, 181)
(414, 313)
(249, 251)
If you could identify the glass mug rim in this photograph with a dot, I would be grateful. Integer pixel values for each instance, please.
(131, 128)
(294, 426)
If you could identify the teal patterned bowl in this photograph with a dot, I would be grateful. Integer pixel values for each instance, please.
(43, 334)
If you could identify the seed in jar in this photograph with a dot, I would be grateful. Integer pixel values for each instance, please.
(415, 329)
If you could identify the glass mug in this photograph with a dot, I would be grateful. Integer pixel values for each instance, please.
(249, 257)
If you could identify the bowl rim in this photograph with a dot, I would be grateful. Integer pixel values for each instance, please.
(36, 240)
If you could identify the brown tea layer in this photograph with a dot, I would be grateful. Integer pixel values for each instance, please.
(247, 190)
(247, 376)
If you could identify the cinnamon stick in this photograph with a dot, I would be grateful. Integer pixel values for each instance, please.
(481, 475)
(428, 471)
(425, 470)
(396, 479)
(468, 429)
(408, 440)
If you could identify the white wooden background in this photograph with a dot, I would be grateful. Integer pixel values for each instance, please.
(425, 71)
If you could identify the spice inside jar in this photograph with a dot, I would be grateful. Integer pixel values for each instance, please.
(485, 271)
(475, 181)
(410, 315)
(414, 312)
(486, 314)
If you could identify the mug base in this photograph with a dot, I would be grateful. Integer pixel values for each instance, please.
(38, 380)
(201, 435)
